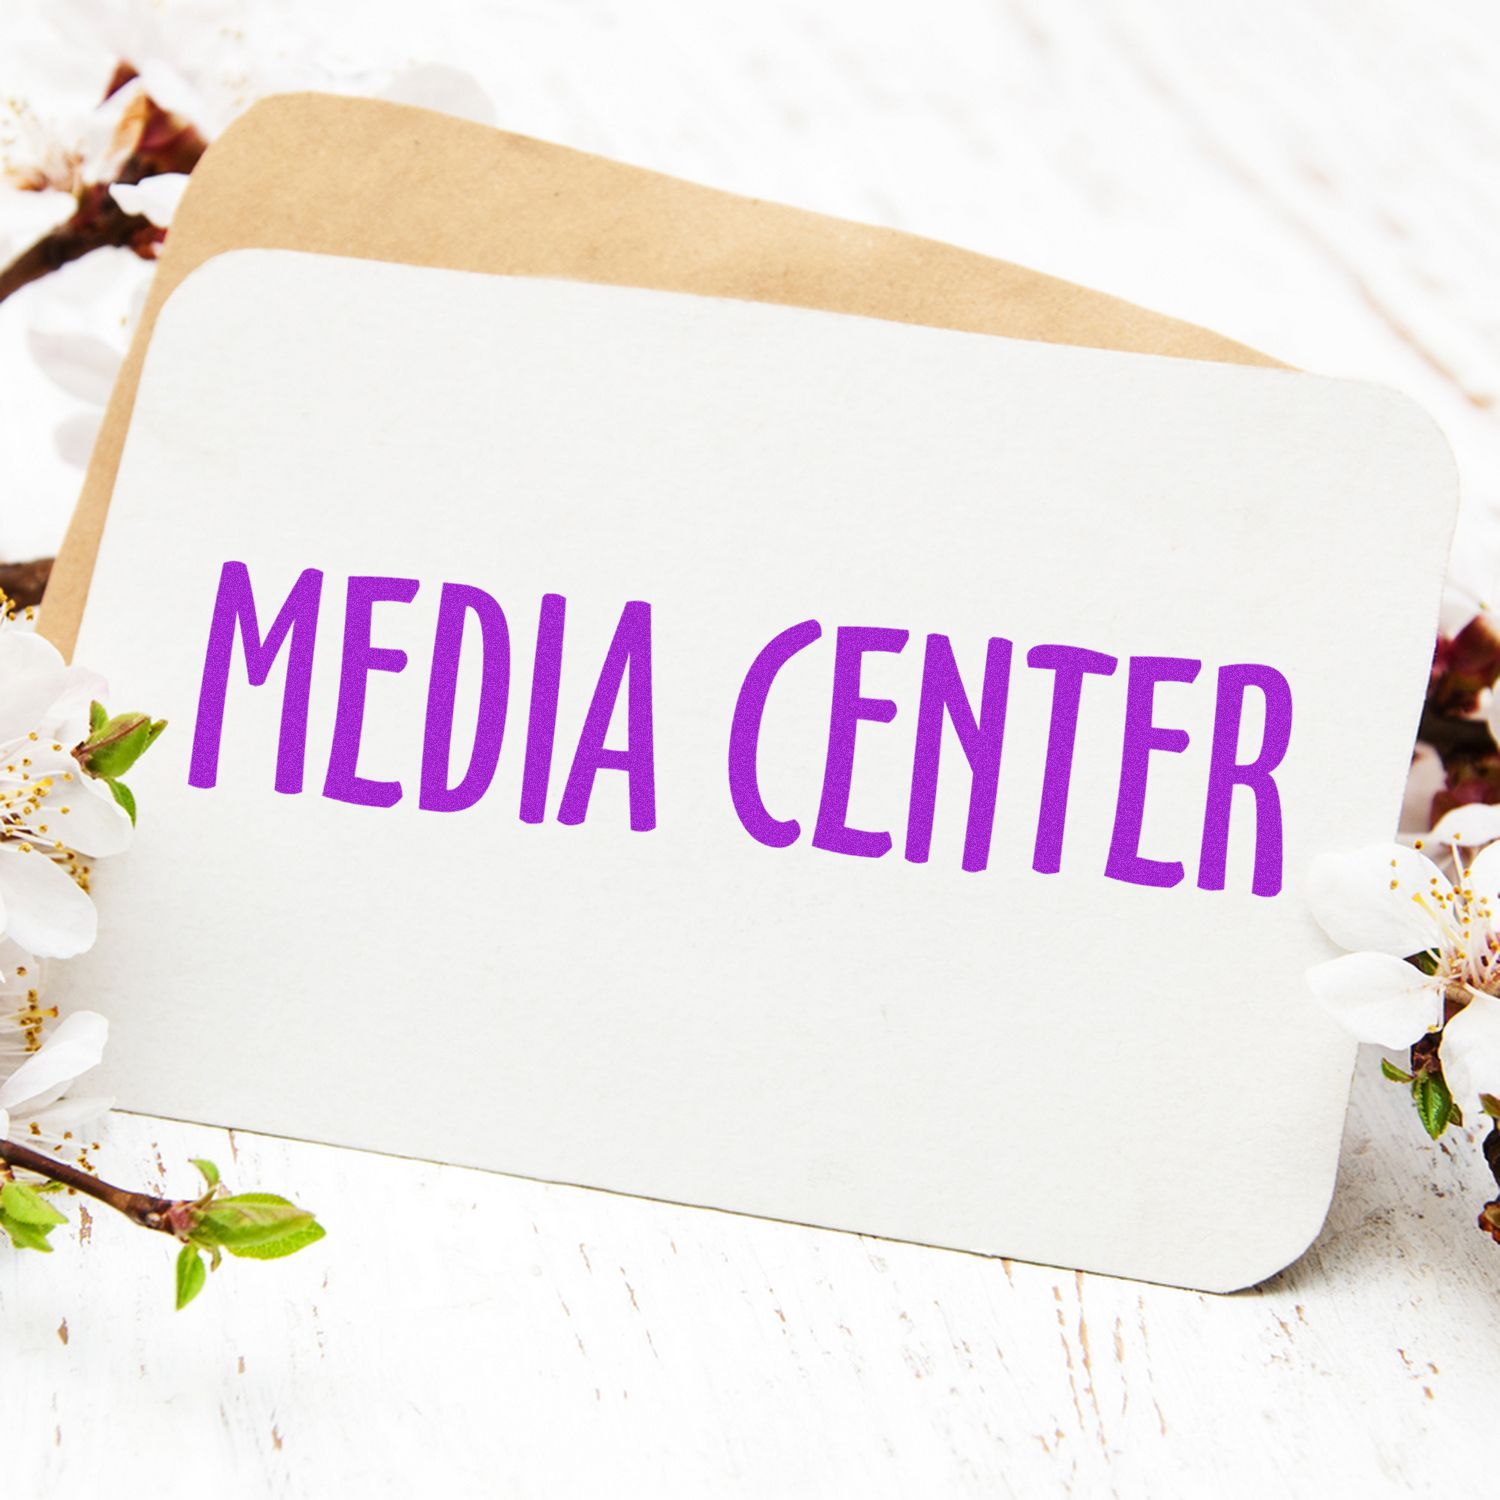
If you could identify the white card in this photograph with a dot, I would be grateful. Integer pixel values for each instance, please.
(1093, 1048)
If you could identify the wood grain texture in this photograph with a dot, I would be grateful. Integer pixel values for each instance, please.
(1316, 179)
(542, 1340)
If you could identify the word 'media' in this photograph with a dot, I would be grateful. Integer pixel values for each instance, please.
(976, 714)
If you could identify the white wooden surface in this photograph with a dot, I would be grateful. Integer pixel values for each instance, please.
(547, 1341)
(1316, 177)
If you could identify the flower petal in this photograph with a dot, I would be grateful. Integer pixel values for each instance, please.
(111, 132)
(1470, 1051)
(94, 823)
(1470, 826)
(1385, 898)
(68, 716)
(1480, 883)
(1423, 782)
(1378, 998)
(1492, 714)
(440, 87)
(44, 910)
(76, 1046)
(69, 1116)
(19, 971)
(74, 437)
(154, 197)
(79, 363)
(32, 678)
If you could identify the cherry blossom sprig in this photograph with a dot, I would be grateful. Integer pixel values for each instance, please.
(1459, 741)
(1421, 918)
(122, 187)
(1422, 973)
(124, 99)
(253, 1226)
(96, 175)
(62, 802)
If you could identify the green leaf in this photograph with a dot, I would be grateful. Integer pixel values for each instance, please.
(249, 1220)
(203, 1239)
(123, 795)
(1490, 1105)
(191, 1275)
(98, 717)
(156, 732)
(116, 748)
(1434, 1103)
(26, 1217)
(23, 1203)
(25, 1236)
(208, 1169)
(1392, 1072)
(289, 1244)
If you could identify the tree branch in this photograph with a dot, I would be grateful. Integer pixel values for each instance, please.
(162, 1214)
(24, 583)
(1450, 736)
(99, 222)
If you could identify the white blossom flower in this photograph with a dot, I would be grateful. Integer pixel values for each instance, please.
(41, 1058)
(63, 151)
(1471, 590)
(51, 813)
(437, 86)
(196, 58)
(1471, 826)
(200, 63)
(78, 333)
(35, 1107)
(1423, 782)
(155, 198)
(33, 1099)
(23, 1019)
(1471, 1049)
(1388, 903)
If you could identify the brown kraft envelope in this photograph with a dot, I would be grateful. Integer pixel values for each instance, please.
(364, 178)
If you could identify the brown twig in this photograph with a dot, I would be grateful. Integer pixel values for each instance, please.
(49, 254)
(99, 223)
(24, 583)
(1451, 736)
(162, 143)
(163, 1214)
